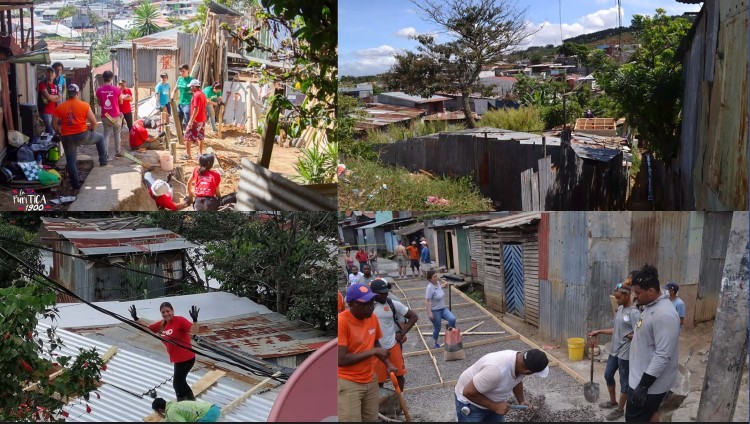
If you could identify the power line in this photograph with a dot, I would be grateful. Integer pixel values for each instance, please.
(60, 288)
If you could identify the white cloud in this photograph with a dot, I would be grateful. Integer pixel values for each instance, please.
(407, 32)
(549, 33)
(370, 61)
(602, 1)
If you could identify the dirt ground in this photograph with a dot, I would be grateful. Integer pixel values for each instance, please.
(560, 395)
(233, 146)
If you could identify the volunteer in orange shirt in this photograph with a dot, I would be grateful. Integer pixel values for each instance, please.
(413, 251)
(70, 121)
(358, 334)
(341, 304)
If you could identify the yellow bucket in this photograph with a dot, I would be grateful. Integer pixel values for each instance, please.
(575, 349)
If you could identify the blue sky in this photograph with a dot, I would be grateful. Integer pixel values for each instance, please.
(371, 32)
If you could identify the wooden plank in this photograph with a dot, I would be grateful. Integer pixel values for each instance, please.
(535, 191)
(455, 305)
(434, 361)
(135, 82)
(564, 367)
(526, 189)
(463, 320)
(478, 333)
(466, 345)
(235, 403)
(107, 356)
(431, 386)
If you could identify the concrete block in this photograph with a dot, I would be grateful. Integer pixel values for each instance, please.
(117, 187)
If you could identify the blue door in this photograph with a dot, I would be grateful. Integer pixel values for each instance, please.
(513, 264)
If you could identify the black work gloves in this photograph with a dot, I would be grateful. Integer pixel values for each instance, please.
(640, 392)
(132, 312)
(194, 313)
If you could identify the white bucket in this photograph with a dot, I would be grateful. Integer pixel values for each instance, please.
(166, 162)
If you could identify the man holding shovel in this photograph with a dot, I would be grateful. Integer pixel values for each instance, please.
(390, 314)
(622, 333)
(482, 391)
(110, 100)
(358, 334)
(654, 351)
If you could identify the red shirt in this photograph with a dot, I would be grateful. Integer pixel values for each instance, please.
(206, 184)
(178, 330)
(164, 201)
(138, 134)
(49, 108)
(125, 107)
(361, 256)
(199, 102)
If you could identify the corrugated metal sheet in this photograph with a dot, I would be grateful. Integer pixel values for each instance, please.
(543, 250)
(531, 279)
(510, 221)
(475, 245)
(673, 244)
(568, 243)
(644, 239)
(410, 229)
(138, 374)
(715, 241)
(139, 248)
(261, 189)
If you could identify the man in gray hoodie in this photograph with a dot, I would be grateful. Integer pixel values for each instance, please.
(654, 351)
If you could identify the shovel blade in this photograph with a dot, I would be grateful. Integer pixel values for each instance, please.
(591, 392)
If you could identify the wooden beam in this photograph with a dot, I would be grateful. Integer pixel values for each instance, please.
(454, 306)
(478, 333)
(470, 344)
(473, 327)
(235, 403)
(177, 122)
(510, 330)
(450, 383)
(463, 320)
(107, 356)
(135, 82)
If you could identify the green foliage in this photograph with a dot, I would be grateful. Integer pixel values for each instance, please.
(374, 186)
(477, 296)
(133, 283)
(535, 59)
(604, 106)
(100, 55)
(9, 269)
(569, 48)
(26, 357)
(535, 92)
(483, 32)
(66, 12)
(143, 21)
(553, 115)
(394, 133)
(285, 263)
(348, 113)
(649, 88)
(527, 119)
(200, 227)
(318, 166)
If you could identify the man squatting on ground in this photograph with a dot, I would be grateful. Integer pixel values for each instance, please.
(482, 391)
(622, 334)
(358, 335)
(391, 314)
(654, 351)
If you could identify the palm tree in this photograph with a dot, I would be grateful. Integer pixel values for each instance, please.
(143, 24)
(64, 13)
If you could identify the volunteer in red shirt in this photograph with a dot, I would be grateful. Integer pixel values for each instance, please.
(125, 107)
(204, 185)
(196, 131)
(140, 138)
(49, 96)
(162, 194)
(178, 330)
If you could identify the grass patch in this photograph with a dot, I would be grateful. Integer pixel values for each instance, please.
(363, 189)
(526, 119)
(477, 296)
(417, 129)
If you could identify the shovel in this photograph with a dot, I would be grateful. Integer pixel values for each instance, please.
(394, 380)
(591, 389)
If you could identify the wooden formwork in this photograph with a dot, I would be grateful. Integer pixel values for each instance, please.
(596, 126)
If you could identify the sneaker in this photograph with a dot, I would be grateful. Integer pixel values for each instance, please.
(437, 345)
(615, 414)
(607, 405)
(118, 155)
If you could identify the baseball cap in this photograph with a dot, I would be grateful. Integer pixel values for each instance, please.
(160, 188)
(414, 242)
(379, 285)
(672, 285)
(73, 88)
(622, 288)
(536, 361)
(422, 242)
(194, 83)
(163, 75)
(359, 292)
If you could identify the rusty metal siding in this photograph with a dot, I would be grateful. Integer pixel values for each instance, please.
(713, 254)
(644, 239)
(673, 244)
(543, 239)
(186, 45)
(568, 247)
(547, 305)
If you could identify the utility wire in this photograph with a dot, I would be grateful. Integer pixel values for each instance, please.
(60, 288)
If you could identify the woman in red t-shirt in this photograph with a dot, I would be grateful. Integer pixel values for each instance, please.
(126, 108)
(179, 330)
(204, 185)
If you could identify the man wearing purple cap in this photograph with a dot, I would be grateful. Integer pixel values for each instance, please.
(358, 334)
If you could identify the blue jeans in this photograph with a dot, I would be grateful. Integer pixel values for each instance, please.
(183, 112)
(210, 116)
(211, 416)
(70, 145)
(613, 364)
(437, 316)
(476, 414)
(110, 128)
(47, 119)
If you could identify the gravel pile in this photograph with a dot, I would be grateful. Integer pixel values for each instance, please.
(576, 413)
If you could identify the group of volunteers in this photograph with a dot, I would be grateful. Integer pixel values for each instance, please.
(372, 327)
(417, 256)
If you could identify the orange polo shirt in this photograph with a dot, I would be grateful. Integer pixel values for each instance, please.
(358, 336)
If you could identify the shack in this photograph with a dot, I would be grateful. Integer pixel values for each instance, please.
(114, 259)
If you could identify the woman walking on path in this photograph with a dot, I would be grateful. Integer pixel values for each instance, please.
(177, 329)
(435, 303)
(424, 257)
(349, 261)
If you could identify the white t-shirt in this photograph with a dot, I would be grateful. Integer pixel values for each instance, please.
(387, 326)
(494, 375)
(359, 278)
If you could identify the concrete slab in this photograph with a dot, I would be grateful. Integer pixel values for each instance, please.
(116, 187)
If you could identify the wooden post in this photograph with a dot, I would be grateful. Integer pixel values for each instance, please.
(726, 359)
(177, 122)
(269, 132)
(20, 18)
(220, 118)
(135, 82)
(33, 39)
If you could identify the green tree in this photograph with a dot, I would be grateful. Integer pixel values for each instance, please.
(348, 114)
(569, 48)
(143, 22)
(12, 229)
(649, 88)
(26, 357)
(286, 263)
(483, 33)
(66, 12)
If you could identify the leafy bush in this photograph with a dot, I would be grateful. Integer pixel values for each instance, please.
(318, 166)
(553, 115)
(417, 129)
(522, 119)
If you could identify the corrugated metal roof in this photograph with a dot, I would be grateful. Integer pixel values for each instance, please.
(508, 135)
(410, 229)
(449, 116)
(415, 99)
(222, 10)
(137, 373)
(166, 40)
(601, 154)
(376, 224)
(510, 221)
(379, 114)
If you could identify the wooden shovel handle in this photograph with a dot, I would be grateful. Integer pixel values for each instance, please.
(394, 380)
